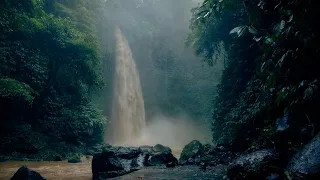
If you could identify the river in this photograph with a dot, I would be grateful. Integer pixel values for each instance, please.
(62, 170)
(57, 170)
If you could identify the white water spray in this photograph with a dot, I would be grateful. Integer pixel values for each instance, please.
(128, 114)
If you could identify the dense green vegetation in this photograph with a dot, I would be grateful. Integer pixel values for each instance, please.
(271, 79)
(56, 70)
(50, 66)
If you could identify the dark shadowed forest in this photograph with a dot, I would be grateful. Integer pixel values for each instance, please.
(173, 89)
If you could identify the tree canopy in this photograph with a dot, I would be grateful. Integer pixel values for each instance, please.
(50, 66)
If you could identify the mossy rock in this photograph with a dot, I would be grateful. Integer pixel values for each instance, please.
(192, 153)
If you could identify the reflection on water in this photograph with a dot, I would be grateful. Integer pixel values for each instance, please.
(51, 170)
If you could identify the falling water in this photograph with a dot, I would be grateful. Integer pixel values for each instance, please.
(128, 114)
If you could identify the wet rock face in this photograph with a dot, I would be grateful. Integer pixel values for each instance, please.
(98, 149)
(217, 157)
(282, 124)
(25, 173)
(120, 159)
(254, 165)
(171, 165)
(192, 153)
(127, 152)
(117, 161)
(306, 163)
(161, 148)
(146, 149)
(161, 158)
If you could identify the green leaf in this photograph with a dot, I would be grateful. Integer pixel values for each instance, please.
(282, 95)
(253, 30)
(257, 39)
(239, 30)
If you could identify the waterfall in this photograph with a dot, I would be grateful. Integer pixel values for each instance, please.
(128, 113)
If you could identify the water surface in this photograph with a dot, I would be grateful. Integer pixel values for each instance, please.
(58, 170)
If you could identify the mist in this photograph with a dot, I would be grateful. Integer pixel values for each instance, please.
(177, 87)
(174, 132)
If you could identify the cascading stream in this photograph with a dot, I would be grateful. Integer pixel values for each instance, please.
(128, 113)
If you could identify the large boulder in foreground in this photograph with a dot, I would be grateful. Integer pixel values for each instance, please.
(255, 165)
(192, 153)
(214, 155)
(161, 155)
(117, 161)
(162, 158)
(306, 163)
(25, 173)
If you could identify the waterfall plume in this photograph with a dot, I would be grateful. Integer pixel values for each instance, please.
(128, 113)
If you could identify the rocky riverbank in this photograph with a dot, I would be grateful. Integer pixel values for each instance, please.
(259, 163)
(197, 161)
(82, 171)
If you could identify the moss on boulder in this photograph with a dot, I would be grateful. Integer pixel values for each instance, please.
(192, 153)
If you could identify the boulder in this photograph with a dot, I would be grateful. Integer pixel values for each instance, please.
(211, 156)
(98, 149)
(127, 152)
(255, 165)
(25, 173)
(146, 149)
(116, 161)
(306, 163)
(192, 153)
(161, 158)
(218, 154)
(171, 164)
(160, 148)
(120, 159)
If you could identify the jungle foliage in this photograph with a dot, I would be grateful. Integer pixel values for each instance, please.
(56, 70)
(50, 65)
(271, 78)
